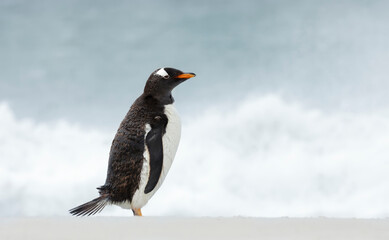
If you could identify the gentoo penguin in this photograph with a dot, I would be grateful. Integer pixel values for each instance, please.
(143, 148)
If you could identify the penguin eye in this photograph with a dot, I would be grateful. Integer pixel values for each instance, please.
(166, 76)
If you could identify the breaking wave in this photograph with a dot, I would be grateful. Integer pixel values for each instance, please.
(261, 157)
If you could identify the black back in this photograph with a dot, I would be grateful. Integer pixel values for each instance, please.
(128, 146)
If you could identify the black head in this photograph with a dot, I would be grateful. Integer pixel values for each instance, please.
(163, 80)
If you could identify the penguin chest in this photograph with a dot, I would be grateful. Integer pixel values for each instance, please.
(170, 141)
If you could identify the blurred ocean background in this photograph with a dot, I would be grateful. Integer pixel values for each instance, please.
(288, 114)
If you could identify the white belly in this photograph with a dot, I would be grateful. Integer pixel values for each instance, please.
(170, 141)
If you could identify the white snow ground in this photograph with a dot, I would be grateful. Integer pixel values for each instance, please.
(192, 228)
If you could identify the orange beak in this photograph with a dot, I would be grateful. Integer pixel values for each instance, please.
(186, 75)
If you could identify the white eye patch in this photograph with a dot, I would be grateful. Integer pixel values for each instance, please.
(162, 72)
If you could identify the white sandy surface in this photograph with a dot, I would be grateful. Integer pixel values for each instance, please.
(192, 228)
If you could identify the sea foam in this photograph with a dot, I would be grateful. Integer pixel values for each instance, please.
(263, 156)
(44, 166)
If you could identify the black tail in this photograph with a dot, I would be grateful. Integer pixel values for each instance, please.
(90, 208)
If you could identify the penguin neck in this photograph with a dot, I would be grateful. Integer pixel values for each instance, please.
(161, 94)
(164, 99)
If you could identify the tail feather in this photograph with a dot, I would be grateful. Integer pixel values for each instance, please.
(90, 208)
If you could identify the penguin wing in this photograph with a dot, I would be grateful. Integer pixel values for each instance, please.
(155, 148)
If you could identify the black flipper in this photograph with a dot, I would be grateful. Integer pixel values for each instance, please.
(154, 145)
(90, 208)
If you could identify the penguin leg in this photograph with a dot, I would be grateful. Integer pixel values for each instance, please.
(137, 212)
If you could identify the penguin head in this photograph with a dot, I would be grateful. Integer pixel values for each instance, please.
(163, 80)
